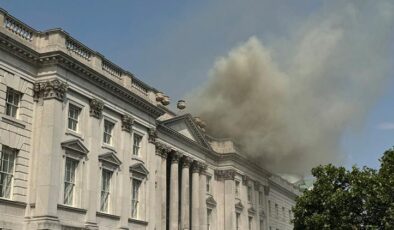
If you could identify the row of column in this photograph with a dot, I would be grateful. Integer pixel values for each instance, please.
(182, 220)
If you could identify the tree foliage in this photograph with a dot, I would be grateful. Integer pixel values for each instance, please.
(348, 199)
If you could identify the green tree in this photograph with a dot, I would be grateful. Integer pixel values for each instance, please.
(348, 199)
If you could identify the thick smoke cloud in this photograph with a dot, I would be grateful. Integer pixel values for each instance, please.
(287, 104)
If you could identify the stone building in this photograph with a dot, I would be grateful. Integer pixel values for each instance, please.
(86, 145)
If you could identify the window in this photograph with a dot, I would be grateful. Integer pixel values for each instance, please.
(261, 198)
(12, 102)
(209, 218)
(105, 190)
(73, 115)
(69, 180)
(136, 184)
(283, 212)
(236, 188)
(209, 184)
(277, 210)
(269, 208)
(137, 144)
(237, 218)
(108, 128)
(261, 224)
(7, 163)
(250, 193)
(250, 222)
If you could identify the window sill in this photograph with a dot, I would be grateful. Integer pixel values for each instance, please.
(71, 208)
(137, 158)
(108, 147)
(111, 216)
(12, 202)
(132, 220)
(74, 134)
(13, 121)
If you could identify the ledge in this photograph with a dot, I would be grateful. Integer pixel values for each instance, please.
(13, 121)
(74, 134)
(143, 222)
(111, 216)
(108, 147)
(70, 208)
(12, 202)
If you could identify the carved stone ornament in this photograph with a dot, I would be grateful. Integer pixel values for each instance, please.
(257, 185)
(266, 190)
(245, 179)
(96, 108)
(203, 167)
(127, 123)
(228, 174)
(186, 161)
(196, 165)
(162, 150)
(175, 156)
(51, 89)
(152, 135)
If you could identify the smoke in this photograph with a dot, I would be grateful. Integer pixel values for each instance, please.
(287, 104)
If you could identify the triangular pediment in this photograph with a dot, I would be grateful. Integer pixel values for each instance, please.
(186, 126)
(75, 145)
(110, 158)
(239, 206)
(139, 168)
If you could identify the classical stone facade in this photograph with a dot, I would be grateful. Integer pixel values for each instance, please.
(86, 145)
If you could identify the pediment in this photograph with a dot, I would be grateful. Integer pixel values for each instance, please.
(75, 145)
(110, 158)
(239, 206)
(139, 168)
(251, 210)
(186, 126)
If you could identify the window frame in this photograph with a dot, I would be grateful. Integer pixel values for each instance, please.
(108, 191)
(135, 203)
(208, 184)
(14, 153)
(77, 120)
(137, 149)
(108, 134)
(75, 183)
(11, 105)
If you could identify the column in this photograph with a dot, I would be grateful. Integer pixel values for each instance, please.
(93, 139)
(48, 131)
(162, 152)
(202, 198)
(185, 193)
(174, 191)
(229, 197)
(195, 195)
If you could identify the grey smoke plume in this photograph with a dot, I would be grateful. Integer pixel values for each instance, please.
(289, 103)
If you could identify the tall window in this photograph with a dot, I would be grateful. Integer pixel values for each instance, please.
(261, 224)
(69, 180)
(137, 144)
(269, 208)
(283, 213)
(105, 190)
(249, 193)
(7, 163)
(250, 219)
(108, 129)
(136, 184)
(12, 102)
(73, 117)
(261, 198)
(277, 210)
(236, 188)
(208, 185)
(237, 219)
(209, 218)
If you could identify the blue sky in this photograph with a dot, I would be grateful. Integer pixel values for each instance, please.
(173, 46)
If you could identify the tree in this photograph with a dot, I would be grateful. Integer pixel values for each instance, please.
(348, 199)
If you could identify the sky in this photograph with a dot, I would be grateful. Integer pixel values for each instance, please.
(174, 45)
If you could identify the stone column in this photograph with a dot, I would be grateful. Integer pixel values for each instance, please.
(195, 195)
(229, 196)
(48, 131)
(185, 193)
(161, 190)
(93, 139)
(203, 198)
(174, 191)
(266, 208)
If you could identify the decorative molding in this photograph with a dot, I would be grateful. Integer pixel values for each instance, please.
(195, 167)
(203, 167)
(266, 190)
(152, 135)
(186, 161)
(76, 146)
(256, 185)
(175, 156)
(96, 108)
(239, 206)
(228, 174)
(211, 202)
(251, 211)
(50, 89)
(127, 123)
(262, 214)
(162, 150)
(245, 180)
(110, 158)
(140, 169)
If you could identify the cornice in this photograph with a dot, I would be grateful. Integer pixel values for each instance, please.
(282, 189)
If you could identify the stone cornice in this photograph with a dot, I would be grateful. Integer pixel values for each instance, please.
(228, 174)
(282, 189)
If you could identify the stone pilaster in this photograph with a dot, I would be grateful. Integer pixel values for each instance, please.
(48, 131)
(124, 202)
(195, 195)
(185, 193)
(174, 191)
(161, 192)
(229, 196)
(203, 197)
